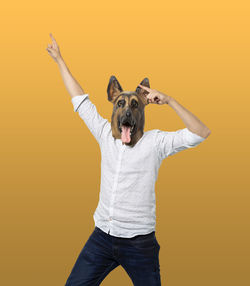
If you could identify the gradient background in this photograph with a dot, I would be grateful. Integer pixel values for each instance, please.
(195, 51)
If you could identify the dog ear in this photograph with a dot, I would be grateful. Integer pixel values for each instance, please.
(143, 93)
(114, 88)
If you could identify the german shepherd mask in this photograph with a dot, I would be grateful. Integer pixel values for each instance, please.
(128, 118)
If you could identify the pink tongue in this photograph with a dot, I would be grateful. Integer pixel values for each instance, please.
(126, 134)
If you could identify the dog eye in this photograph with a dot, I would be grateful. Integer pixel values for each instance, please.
(120, 103)
(134, 103)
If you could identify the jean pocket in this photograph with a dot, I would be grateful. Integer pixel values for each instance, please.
(144, 243)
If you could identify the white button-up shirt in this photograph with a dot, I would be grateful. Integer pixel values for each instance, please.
(126, 204)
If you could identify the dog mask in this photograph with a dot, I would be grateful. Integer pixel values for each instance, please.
(128, 119)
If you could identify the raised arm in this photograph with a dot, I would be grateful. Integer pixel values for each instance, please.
(80, 100)
(97, 125)
(169, 143)
(70, 82)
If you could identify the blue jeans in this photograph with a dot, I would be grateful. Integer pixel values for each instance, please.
(102, 253)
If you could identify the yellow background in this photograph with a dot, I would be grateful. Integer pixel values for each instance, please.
(195, 51)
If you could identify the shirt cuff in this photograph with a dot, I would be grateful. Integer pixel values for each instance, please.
(194, 137)
(78, 100)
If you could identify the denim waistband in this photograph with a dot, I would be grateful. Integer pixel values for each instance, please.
(139, 236)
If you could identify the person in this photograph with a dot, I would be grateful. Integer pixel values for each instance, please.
(124, 232)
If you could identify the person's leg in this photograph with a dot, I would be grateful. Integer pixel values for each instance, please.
(139, 256)
(94, 262)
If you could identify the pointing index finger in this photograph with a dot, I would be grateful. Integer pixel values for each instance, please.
(53, 39)
(144, 87)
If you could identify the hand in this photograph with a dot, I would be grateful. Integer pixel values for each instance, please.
(154, 96)
(53, 49)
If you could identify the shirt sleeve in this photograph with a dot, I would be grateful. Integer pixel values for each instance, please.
(89, 114)
(170, 143)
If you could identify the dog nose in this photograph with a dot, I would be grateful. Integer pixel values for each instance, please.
(128, 113)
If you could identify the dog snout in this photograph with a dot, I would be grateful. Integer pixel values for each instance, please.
(128, 113)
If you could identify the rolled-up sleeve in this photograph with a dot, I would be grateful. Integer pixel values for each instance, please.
(170, 143)
(89, 114)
